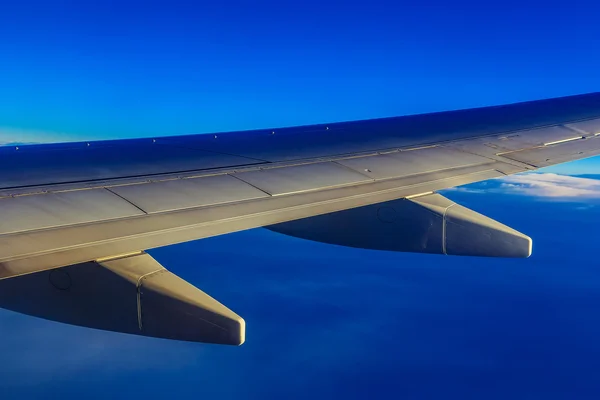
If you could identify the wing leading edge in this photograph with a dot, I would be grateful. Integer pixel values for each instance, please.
(371, 184)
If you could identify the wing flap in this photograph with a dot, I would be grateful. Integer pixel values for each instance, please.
(32, 251)
(118, 201)
(51, 210)
(177, 194)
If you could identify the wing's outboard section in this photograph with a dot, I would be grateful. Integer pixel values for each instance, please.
(426, 224)
(132, 294)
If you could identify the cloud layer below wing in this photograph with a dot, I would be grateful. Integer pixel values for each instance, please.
(539, 185)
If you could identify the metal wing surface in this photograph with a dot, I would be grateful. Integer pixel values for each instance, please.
(79, 206)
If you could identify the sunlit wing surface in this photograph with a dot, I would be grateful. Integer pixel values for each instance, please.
(65, 209)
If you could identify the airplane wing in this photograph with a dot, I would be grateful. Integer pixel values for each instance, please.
(76, 218)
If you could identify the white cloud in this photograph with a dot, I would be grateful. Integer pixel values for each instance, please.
(542, 185)
(551, 185)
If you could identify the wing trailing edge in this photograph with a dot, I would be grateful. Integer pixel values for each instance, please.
(429, 223)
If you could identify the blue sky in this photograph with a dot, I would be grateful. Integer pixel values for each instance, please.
(110, 69)
(326, 321)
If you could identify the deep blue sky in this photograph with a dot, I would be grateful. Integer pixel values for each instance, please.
(323, 321)
(93, 69)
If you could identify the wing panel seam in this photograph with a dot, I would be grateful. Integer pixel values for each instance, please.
(128, 201)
